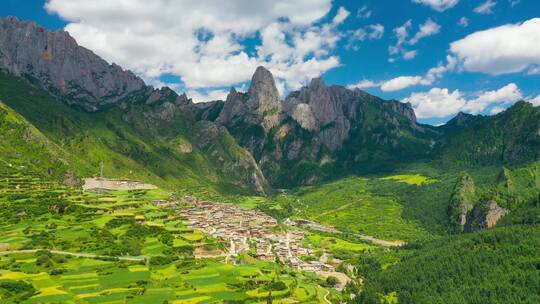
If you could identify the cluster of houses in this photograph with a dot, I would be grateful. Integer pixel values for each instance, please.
(251, 231)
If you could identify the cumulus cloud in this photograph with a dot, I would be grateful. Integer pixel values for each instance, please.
(485, 7)
(440, 102)
(210, 95)
(438, 5)
(402, 82)
(505, 49)
(202, 41)
(364, 84)
(501, 97)
(436, 103)
(429, 28)
(535, 101)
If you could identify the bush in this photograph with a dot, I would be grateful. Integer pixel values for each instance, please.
(331, 281)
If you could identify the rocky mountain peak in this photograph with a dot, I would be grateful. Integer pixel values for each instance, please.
(52, 60)
(263, 93)
(232, 108)
(462, 119)
(264, 100)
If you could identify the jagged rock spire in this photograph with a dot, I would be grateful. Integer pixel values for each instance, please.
(264, 104)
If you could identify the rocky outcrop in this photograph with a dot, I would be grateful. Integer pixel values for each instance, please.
(165, 94)
(462, 202)
(484, 215)
(264, 101)
(318, 97)
(52, 60)
(304, 116)
(315, 124)
(234, 107)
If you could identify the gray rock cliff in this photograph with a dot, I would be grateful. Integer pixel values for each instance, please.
(52, 60)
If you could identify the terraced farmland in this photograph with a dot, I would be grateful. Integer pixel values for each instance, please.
(133, 251)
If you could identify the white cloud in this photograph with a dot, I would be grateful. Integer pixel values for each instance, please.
(496, 110)
(377, 31)
(408, 55)
(401, 33)
(535, 101)
(204, 96)
(441, 68)
(439, 103)
(364, 12)
(438, 5)
(436, 103)
(371, 32)
(364, 84)
(514, 2)
(429, 28)
(463, 22)
(505, 49)
(201, 41)
(402, 82)
(341, 15)
(485, 7)
(504, 96)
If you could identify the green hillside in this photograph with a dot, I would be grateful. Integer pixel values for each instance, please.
(508, 138)
(180, 153)
(497, 266)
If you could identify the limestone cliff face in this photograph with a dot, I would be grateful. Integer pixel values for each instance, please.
(234, 108)
(462, 202)
(484, 215)
(55, 62)
(317, 128)
(264, 102)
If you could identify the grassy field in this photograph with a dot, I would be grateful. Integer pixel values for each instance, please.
(185, 281)
(351, 206)
(41, 214)
(415, 179)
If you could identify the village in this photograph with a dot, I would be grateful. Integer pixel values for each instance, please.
(252, 231)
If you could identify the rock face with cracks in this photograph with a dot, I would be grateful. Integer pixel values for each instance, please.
(52, 60)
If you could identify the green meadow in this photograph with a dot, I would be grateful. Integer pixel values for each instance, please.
(140, 252)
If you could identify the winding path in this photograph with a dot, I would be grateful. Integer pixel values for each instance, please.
(78, 255)
(326, 296)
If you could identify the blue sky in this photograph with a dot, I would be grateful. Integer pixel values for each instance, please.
(206, 47)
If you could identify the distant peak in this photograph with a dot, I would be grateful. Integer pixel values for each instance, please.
(317, 82)
(262, 72)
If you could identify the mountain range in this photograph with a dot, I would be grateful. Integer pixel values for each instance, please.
(316, 133)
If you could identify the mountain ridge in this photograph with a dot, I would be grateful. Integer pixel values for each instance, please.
(316, 133)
